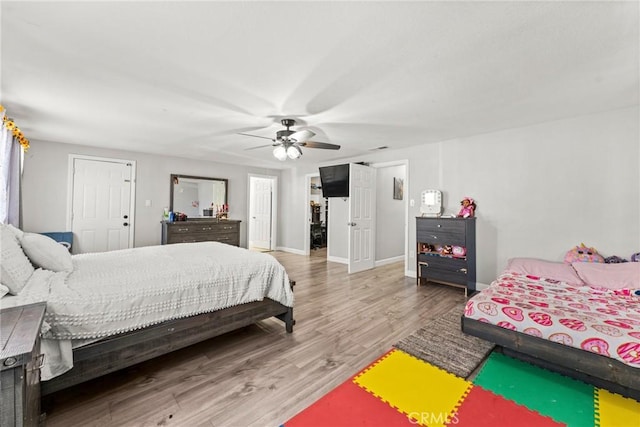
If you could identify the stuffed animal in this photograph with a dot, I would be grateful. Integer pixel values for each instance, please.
(635, 257)
(426, 248)
(459, 251)
(446, 250)
(614, 259)
(583, 254)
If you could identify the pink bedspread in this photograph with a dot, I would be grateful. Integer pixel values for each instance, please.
(598, 320)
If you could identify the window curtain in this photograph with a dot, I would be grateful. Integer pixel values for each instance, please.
(10, 165)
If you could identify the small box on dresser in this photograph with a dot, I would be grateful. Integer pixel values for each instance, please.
(434, 266)
(20, 361)
(224, 231)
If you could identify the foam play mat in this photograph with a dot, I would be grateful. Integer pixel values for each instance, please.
(401, 390)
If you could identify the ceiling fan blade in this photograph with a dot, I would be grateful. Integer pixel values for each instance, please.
(301, 135)
(260, 146)
(256, 136)
(324, 145)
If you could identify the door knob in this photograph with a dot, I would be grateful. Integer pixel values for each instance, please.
(126, 216)
(351, 224)
(125, 224)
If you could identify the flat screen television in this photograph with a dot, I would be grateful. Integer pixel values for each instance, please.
(335, 181)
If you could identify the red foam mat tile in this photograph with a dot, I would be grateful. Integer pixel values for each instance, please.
(348, 405)
(483, 408)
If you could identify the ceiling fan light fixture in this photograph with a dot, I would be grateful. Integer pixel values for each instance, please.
(294, 152)
(280, 153)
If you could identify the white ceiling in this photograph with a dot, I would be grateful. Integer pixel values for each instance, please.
(183, 79)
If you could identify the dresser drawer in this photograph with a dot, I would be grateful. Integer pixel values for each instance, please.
(445, 263)
(188, 238)
(232, 227)
(177, 228)
(231, 238)
(432, 271)
(191, 232)
(441, 231)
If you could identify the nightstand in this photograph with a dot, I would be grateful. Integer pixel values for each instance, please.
(20, 362)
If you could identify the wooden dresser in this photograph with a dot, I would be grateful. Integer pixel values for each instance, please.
(20, 361)
(434, 264)
(224, 231)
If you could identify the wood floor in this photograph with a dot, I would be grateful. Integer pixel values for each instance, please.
(260, 375)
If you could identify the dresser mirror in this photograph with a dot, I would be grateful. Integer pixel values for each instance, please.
(197, 196)
(431, 203)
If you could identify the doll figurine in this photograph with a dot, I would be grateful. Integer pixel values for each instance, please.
(468, 208)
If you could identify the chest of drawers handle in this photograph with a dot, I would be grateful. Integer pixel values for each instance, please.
(183, 229)
(424, 264)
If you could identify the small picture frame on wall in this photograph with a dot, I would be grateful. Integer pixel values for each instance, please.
(398, 184)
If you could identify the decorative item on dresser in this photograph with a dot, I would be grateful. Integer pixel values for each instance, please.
(201, 230)
(446, 251)
(20, 364)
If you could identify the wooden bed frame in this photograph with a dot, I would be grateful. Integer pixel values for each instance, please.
(586, 366)
(120, 351)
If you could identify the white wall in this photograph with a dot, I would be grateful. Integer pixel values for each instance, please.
(338, 231)
(44, 198)
(540, 189)
(390, 215)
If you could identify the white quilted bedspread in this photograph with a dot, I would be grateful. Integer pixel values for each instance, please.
(119, 291)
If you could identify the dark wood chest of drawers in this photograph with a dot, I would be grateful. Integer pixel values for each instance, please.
(224, 231)
(20, 360)
(436, 238)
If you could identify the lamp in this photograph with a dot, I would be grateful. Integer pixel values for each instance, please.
(287, 149)
(293, 151)
(280, 153)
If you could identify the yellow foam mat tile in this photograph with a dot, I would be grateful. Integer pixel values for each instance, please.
(419, 390)
(613, 410)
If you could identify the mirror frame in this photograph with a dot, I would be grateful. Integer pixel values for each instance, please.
(206, 178)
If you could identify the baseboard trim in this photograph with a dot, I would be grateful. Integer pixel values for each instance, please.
(290, 250)
(337, 259)
(386, 261)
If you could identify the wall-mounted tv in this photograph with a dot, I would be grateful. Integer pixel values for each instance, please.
(335, 181)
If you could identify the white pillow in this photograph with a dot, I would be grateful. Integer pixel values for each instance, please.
(45, 252)
(15, 266)
(3, 290)
(18, 233)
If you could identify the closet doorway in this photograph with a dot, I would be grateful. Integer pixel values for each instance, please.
(100, 203)
(262, 204)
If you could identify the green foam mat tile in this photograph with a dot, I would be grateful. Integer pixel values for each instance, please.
(564, 399)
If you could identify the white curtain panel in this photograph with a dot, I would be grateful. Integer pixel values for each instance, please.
(10, 152)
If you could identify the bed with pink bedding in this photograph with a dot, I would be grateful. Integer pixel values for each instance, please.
(581, 320)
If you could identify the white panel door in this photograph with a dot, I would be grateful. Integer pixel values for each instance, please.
(101, 208)
(362, 202)
(260, 213)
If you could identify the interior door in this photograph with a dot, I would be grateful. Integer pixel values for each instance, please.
(101, 205)
(362, 202)
(260, 213)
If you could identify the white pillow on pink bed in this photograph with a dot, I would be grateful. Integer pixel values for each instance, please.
(624, 275)
(560, 271)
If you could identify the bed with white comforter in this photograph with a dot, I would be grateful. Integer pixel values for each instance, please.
(120, 291)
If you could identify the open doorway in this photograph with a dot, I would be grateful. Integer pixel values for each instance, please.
(315, 236)
(261, 228)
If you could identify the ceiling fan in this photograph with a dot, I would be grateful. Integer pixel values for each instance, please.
(287, 142)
